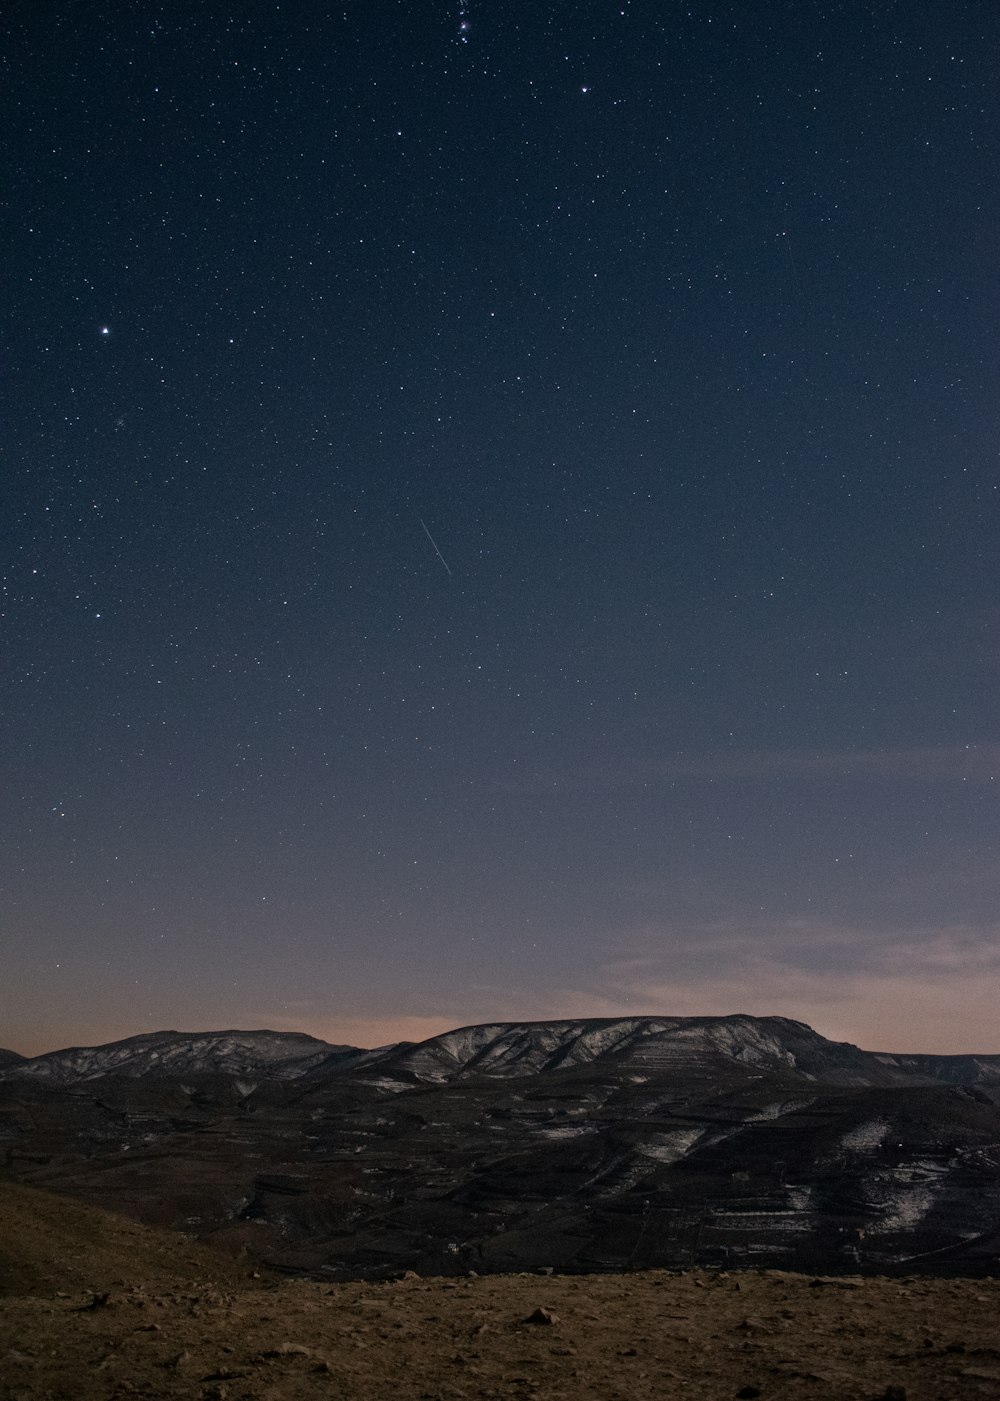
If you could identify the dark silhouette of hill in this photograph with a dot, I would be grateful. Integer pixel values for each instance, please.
(580, 1145)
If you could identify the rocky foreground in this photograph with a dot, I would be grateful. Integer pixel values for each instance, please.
(95, 1306)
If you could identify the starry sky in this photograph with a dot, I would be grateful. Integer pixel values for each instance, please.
(500, 516)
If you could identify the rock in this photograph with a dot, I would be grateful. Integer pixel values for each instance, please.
(542, 1315)
(753, 1325)
(289, 1350)
(893, 1392)
(748, 1392)
(98, 1301)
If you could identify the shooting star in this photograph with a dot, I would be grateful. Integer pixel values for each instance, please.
(436, 550)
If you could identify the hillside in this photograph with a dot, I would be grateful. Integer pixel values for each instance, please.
(579, 1145)
(50, 1244)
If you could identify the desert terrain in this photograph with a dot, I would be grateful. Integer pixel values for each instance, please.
(95, 1306)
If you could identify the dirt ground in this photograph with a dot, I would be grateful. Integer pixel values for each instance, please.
(95, 1307)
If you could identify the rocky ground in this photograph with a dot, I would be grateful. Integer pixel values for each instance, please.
(97, 1307)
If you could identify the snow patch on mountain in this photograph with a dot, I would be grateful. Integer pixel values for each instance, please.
(653, 1043)
(905, 1205)
(282, 1054)
(522, 1048)
(865, 1137)
(778, 1108)
(671, 1146)
(801, 1198)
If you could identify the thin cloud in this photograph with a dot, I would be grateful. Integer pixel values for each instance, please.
(959, 763)
(923, 989)
(691, 951)
(919, 1011)
(932, 990)
(974, 763)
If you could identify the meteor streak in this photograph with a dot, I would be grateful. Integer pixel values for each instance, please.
(436, 550)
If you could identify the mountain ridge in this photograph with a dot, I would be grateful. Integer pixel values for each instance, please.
(283, 1054)
(511, 1049)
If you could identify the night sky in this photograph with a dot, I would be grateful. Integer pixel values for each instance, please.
(500, 514)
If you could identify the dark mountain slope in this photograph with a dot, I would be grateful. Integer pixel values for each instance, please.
(578, 1144)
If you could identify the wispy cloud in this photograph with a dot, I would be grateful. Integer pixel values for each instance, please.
(806, 940)
(974, 763)
(958, 763)
(931, 990)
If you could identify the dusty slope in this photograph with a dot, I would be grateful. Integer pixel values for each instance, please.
(50, 1243)
(610, 1338)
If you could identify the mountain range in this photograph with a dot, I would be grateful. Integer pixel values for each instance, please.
(587, 1144)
